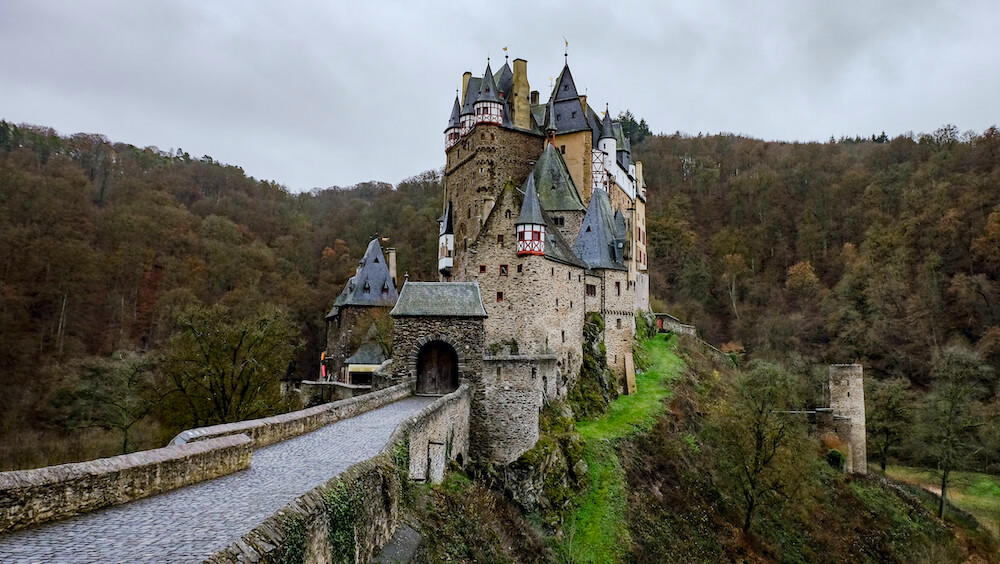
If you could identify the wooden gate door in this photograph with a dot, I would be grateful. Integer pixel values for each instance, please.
(437, 369)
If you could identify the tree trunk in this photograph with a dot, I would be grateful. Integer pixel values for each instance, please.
(748, 518)
(944, 493)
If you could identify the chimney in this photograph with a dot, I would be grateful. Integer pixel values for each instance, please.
(392, 264)
(534, 97)
(465, 85)
(519, 93)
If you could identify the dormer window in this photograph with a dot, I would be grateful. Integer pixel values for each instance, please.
(366, 289)
(385, 289)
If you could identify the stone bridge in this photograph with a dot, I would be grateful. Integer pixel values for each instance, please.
(219, 519)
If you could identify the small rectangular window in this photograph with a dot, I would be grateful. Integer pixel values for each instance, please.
(619, 322)
(519, 269)
(564, 336)
(482, 269)
(499, 296)
(591, 290)
(618, 288)
(562, 149)
(500, 239)
(553, 271)
(503, 270)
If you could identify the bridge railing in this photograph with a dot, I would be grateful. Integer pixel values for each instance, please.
(29, 497)
(269, 430)
(353, 515)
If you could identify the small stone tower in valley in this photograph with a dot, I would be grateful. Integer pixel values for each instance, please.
(847, 400)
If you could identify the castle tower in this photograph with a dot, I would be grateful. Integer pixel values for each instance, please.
(847, 399)
(530, 224)
(488, 108)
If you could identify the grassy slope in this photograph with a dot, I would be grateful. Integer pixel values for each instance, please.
(978, 494)
(595, 529)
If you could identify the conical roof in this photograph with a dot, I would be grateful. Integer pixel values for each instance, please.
(456, 115)
(556, 190)
(447, 228)
(607, 128)
(471, 93)
(488, 88)
(371, 285)
(598, 243)
(531, 211)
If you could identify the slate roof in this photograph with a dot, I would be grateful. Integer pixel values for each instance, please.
(471, 92)
(531, 211)
(600, 243)
(456, 111)
(570, 115)
(505, 80)
(556, 191)
(488, 88)
(439, 299)
(373, 272)
(369, 352)
(607, 130)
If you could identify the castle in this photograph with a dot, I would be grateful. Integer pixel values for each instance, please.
(543, 222)
(544, 207)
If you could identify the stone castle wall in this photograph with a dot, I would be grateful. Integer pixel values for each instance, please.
(847, 399)
(577, 155)
(507, 401)
(543, 304)
(476, 170)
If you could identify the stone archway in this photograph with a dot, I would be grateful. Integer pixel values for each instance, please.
(437, 368)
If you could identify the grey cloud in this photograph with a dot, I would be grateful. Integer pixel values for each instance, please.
(313, 94)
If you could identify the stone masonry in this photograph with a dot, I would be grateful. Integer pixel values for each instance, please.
(847, 399)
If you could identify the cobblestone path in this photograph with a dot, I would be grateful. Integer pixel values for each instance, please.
(192, 523)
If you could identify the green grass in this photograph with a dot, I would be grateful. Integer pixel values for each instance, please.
(595, 529)
(977, 494)
(631, 414)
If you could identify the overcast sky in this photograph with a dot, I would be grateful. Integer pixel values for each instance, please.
(317, 94)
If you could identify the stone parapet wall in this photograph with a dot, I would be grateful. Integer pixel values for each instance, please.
(280, 427)
(28, 497)
(355, 514)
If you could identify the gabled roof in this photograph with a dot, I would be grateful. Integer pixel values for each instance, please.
(439, 299)
(600, 244)
(556, 191)
(365, 288)
(488, 88)
(565, 88)
(531, 211)
(456, 111)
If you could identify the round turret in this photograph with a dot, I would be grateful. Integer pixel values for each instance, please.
(488, 107)
(453, 132)
(530, 224)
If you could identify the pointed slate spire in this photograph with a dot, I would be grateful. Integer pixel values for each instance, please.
(565, 86)
(556, 190)
(488, 88)
(607, 129)
(598, 244)
(456, 114)
(531, 210)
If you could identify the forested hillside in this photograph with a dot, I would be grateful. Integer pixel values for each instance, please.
(877, 250)
(102, 244)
